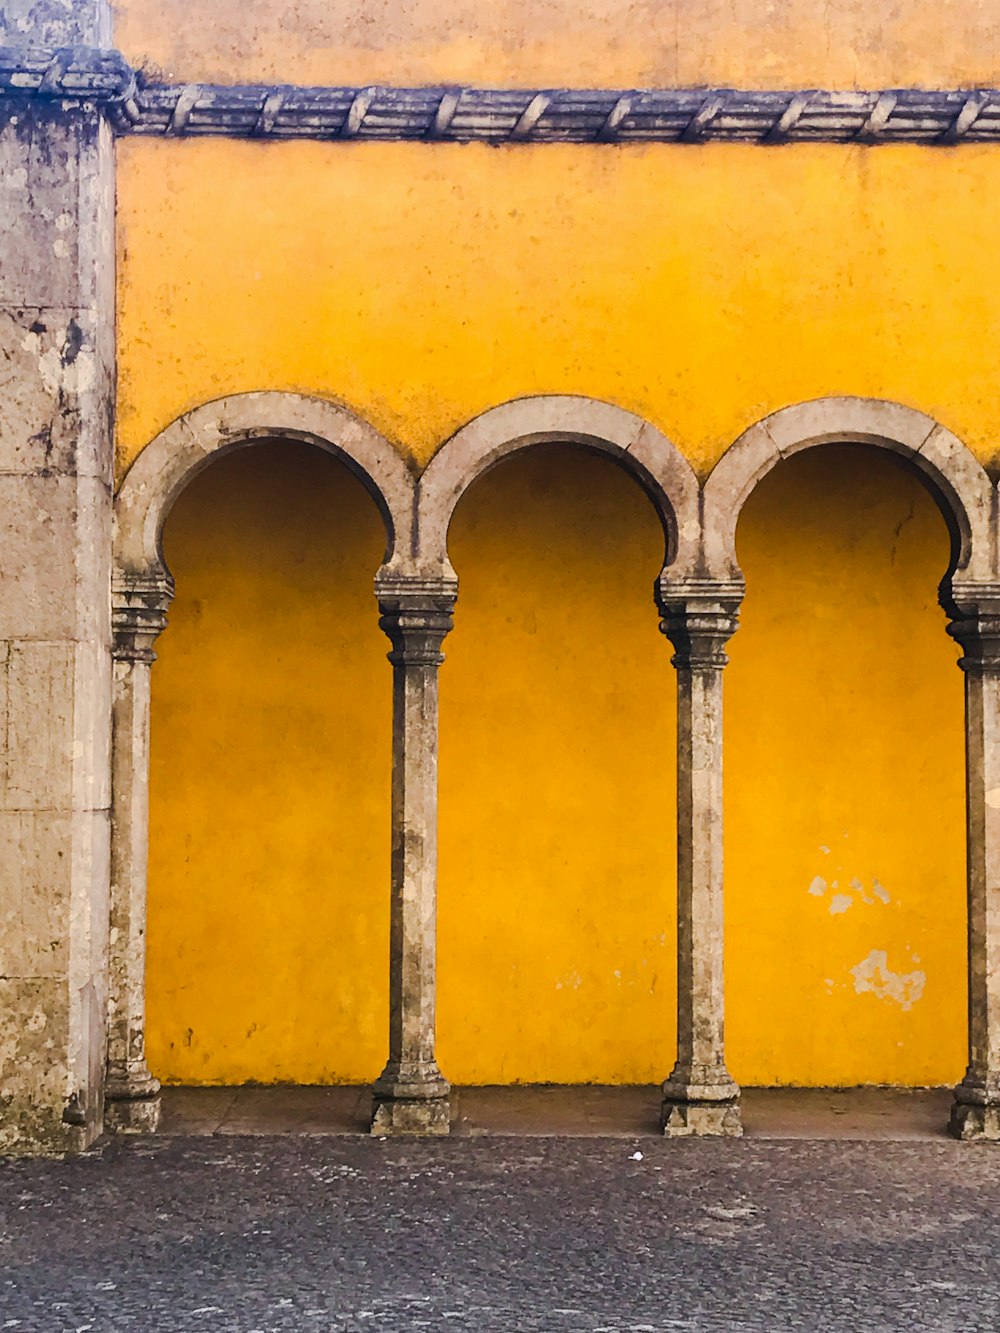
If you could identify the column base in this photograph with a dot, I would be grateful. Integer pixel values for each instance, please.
(701, 1119)
(972, 1122)
(132, 1104)
(411, 1115)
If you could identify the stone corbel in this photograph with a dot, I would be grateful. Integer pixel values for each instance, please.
(974, 609)
(699, 617)
(139, 614)
(411, 1096)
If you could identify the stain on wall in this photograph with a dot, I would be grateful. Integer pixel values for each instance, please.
(844, 787)
(268, 926)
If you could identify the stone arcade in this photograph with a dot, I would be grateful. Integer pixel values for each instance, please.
(85, 590)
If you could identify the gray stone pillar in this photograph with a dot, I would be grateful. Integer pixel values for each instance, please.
(975, 624)
(57, 351)
(699, 1097)
(139, 613)
(411, 1096)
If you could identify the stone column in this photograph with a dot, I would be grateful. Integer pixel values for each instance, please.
(139, 613)
(57, 352)
(699, 1097)
(975, 624)
(411, 1096)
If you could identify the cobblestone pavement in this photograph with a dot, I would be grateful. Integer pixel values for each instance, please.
(328, 1233)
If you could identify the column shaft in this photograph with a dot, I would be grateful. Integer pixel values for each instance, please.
(700, 1097)
(976, 1109)
(139, 613)
(411, 1096)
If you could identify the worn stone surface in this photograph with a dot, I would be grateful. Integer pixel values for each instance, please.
(411, 1095)
(700, 1096)
(575, 1234)
(57, 341)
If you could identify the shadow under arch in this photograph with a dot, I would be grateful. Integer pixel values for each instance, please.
(952, 473)
(629, 441)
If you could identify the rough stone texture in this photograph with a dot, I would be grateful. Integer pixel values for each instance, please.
(346, 1234)
(700, 1096)
(411, 1095)
(56, 334)
(976, 626)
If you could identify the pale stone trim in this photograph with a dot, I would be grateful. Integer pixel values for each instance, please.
(190, 443)
(657, 464)
(958, 480)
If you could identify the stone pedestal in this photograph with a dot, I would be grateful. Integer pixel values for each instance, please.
(411, 1096)
(699, 1097)
(975, 611)
(139, 612)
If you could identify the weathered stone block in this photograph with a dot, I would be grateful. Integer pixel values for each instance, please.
(701, 1119)
(423, 1116)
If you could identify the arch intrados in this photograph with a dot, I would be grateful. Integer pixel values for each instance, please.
(172, 460)
(600, 428)
(953, 476)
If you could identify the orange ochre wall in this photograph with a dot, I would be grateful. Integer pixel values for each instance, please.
(702, 288)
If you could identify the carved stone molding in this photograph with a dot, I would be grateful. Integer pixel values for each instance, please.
(699, 617)
(139, 606)
(572, 115)
(446, 113)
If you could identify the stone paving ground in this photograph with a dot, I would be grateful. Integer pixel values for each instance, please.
(241, 1230)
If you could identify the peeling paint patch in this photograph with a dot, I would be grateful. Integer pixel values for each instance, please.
(840, 903)
(873, 975)
(818, 887)
(880, 892)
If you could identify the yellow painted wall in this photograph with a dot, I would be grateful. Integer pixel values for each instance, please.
(557, 912)
(423, 284)
(603, 43)
(268, 930)
(844, 789)
(701, 288)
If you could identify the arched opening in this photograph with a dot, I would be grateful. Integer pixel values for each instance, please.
(557, 875)
(268, 904)
(844, 783)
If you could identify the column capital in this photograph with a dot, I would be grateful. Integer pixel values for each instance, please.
(416, 614)
(699, 617)
(974, 611)
(139, 604)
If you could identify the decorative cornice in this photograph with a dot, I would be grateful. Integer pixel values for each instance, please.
(73, 74)
(497, 115)
(500, 116)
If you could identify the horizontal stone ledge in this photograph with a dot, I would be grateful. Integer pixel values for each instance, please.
(496, 115)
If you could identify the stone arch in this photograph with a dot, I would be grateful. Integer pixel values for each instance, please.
(955, 477)
(141, 597)
(189, 444)
(659, 467)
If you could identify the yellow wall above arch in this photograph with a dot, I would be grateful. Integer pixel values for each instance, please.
(700, 288)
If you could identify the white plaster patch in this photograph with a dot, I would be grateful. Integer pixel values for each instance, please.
(18, 178)
(64, 221)
(60, 248)
(993, 798)
(840, 903)
(818, 887)
(873, 975)
(825, 850)
(690, 530)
